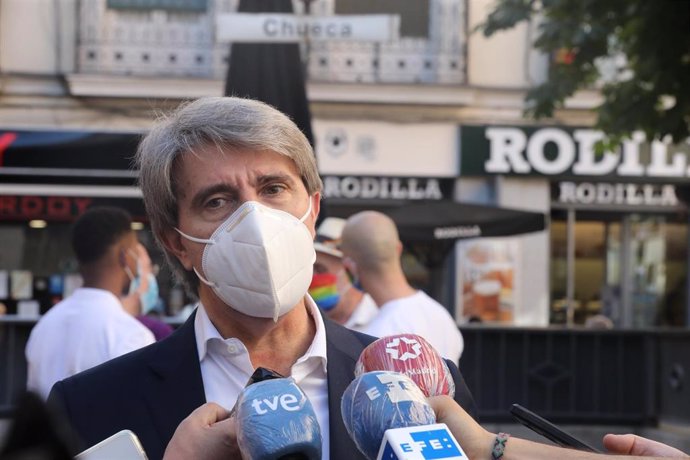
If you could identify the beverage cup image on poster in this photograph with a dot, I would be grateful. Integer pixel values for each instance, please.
(488, 279)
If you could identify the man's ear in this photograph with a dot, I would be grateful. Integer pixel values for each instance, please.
(121, 253)
(172, 241)
(315, 208)
(316, 205)
(399, 248)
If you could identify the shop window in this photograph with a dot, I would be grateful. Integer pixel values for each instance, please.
(41, 259)
(589, 270)
(630, 268)
(414, 16)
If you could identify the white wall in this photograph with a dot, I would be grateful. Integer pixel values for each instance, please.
(375, 148)
(531, 195)
(505, 59)
(36, 34)
(479, 190)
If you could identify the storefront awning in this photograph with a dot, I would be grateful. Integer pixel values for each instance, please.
(430, 229)
(430, 221)
(79, 157)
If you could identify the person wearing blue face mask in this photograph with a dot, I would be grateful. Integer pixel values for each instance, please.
(92, 325)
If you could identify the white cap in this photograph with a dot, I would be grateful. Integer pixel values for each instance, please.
(328, 236)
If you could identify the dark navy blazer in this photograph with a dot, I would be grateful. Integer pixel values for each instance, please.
(151, 390)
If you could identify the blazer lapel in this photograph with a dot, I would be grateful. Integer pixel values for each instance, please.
(177, 387)
(342, 351)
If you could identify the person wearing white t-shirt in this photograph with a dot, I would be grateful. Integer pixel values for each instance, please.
(371, 248)
(91, 326)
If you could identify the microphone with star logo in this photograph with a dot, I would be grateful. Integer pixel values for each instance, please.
(411, 355)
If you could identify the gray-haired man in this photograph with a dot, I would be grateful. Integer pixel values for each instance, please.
(232, 192)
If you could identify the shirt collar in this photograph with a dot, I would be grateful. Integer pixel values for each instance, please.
(205, 331)
(318, 345)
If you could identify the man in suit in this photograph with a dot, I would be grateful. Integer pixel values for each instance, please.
(232, 193)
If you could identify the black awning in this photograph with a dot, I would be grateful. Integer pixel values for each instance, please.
(69, 157)
(430, 221)
(67, 149)
(429, 229)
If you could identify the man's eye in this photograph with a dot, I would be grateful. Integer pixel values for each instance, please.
(274, 189)
(214, 203)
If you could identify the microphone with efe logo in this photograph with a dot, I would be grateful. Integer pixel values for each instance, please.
(388, 418)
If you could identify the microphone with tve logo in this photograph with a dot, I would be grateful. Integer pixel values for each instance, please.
(276, 421)
(388, 417)
(412, 355)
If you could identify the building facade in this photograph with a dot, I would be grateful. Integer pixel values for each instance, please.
(427, 114)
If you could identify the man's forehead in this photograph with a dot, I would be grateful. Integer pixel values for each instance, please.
(257, 164)
(212, 152)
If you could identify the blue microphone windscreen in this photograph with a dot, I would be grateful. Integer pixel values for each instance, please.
(377, 401)
(275, 419)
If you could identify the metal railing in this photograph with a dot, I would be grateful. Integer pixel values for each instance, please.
(566, 375)
(14, 333)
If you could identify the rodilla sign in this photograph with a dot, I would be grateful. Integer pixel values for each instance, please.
(568, 152)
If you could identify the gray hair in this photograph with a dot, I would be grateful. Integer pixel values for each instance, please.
(227, 122)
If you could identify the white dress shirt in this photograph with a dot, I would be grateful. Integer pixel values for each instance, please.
(226, 367)
(86, 329)
(419, 314)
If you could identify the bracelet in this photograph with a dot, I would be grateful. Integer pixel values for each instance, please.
(499, 445)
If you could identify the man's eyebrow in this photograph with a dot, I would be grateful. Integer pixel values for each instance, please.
(275, 177)
(204, 193)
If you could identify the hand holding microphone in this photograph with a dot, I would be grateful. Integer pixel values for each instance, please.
(412, 355)
(275, 420)
(206, 433)
(385, 413)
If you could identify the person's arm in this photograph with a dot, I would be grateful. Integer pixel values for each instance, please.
(206, 434)
(478, 442)
(630, 444)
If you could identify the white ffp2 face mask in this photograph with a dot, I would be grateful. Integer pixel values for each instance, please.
(259, 261)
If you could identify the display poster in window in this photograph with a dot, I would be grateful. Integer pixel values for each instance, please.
(21, 284)
(489, 276)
